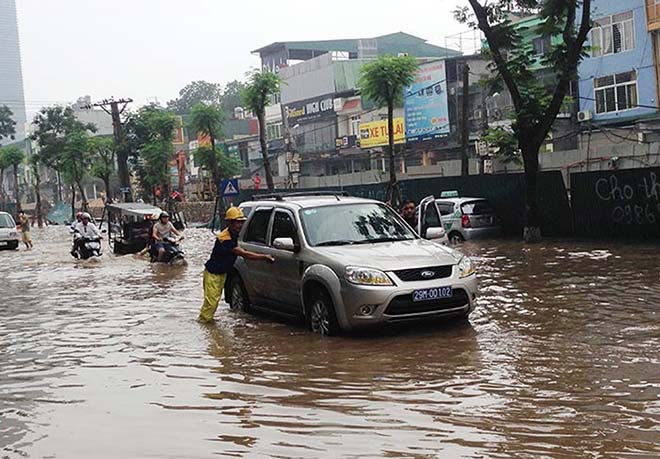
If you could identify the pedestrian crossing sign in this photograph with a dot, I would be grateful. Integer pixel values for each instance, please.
(229, 187)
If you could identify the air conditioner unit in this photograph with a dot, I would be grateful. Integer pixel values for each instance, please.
(585, 115)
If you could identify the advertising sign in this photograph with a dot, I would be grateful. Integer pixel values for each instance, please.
(347, 141)
(425, 103)
(309, 110)
(375, 134)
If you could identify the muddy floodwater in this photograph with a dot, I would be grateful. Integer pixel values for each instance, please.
(561, 359)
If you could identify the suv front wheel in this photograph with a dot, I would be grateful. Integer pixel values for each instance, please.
(321, 314)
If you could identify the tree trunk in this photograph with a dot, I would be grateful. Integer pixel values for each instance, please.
(2, 189)
(261, 117)
(16, 189)
(215, 170)
(59, 187)
(392, 187)
(106, 184)
(73, 202)
(37, 193)
(530, 153)
(83, 197)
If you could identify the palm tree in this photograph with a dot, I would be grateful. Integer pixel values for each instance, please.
(261, 87)
(207, 120)
(383, 81)
(14, 157)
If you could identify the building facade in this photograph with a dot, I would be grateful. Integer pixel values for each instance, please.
(11, 73)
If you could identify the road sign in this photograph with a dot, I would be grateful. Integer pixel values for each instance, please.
(229, 187)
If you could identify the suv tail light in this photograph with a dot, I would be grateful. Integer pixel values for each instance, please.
(465, 221)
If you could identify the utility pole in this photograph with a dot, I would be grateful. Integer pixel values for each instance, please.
(122, 154)
(465, 128)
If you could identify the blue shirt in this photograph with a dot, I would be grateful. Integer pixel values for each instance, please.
(222, 258)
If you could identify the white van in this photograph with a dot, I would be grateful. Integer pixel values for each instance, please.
(9, 237)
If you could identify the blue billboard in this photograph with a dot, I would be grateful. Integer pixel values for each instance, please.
(425, 103)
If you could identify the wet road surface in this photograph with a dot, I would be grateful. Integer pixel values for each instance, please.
(561, 359)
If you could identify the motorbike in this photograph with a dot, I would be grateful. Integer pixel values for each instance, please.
(84, 248)
(173, 251)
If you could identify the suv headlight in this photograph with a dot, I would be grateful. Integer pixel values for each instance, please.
(13, 234)
(465, 267)
(367, 276)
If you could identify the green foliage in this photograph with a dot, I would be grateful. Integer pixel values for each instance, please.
(382, 81)
(195, 93)
(52, 127)
(103, 157)
(504, 145)
(228, 166)
(232, 96)
(7, 124)
(74, 158)
(11, 156)
(262, 85)
(149, 134)
(207, 120)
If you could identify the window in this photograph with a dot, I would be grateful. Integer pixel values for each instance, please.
(355, 125)
(613, 34)
(446, 208)
(480, 207)
(6, 221)
(273, 131)
(258, 230)
(283, 226)
(541, 45)
(615, 93)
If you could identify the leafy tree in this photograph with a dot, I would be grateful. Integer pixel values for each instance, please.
(14, 157)
(228, 166)
(535, 106)
(53, 125)
(7, 124)
(207, 120)
(504, 143)
(75, 161)
(383, 81)
(195, 93)
(149, 134)
(232, 96)
(103, 161)
(261, 87)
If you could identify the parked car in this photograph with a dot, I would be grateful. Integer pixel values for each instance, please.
(9, 236)
(343, 263)
(467, 218)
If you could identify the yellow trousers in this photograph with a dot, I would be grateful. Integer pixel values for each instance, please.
(213, 286)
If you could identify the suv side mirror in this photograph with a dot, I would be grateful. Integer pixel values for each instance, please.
(435, 233)
(285, 243)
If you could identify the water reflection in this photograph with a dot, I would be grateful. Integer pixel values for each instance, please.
(559, 360)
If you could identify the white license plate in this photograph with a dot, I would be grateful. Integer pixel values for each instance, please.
(3, 243)
(434, 293)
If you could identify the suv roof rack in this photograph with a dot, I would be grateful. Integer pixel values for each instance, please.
(298, 194)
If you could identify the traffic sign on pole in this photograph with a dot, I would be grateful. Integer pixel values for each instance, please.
(229, 187)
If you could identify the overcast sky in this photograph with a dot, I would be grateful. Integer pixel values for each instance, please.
(146, 49)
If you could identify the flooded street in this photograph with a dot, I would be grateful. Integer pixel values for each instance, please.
(561, 359)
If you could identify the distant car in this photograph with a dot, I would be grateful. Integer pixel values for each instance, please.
(9, 236)
(467, 218)
(344, 263)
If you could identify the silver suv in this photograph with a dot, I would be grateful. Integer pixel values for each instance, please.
(344, 263)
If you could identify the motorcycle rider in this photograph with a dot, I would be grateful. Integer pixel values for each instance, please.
(162, 230)
(84, 231)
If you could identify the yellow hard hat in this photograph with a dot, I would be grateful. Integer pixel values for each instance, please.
(234, 213)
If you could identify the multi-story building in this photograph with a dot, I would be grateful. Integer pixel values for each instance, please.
(11, 74)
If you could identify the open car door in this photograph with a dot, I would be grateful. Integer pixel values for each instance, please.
(429, 225)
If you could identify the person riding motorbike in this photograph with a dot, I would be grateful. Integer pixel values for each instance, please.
(162, 230)
(84, 231)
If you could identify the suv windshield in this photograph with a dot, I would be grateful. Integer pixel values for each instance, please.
(479, 207)
(6, 221)
(353, 224)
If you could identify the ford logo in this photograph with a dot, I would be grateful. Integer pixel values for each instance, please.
(428, 274)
